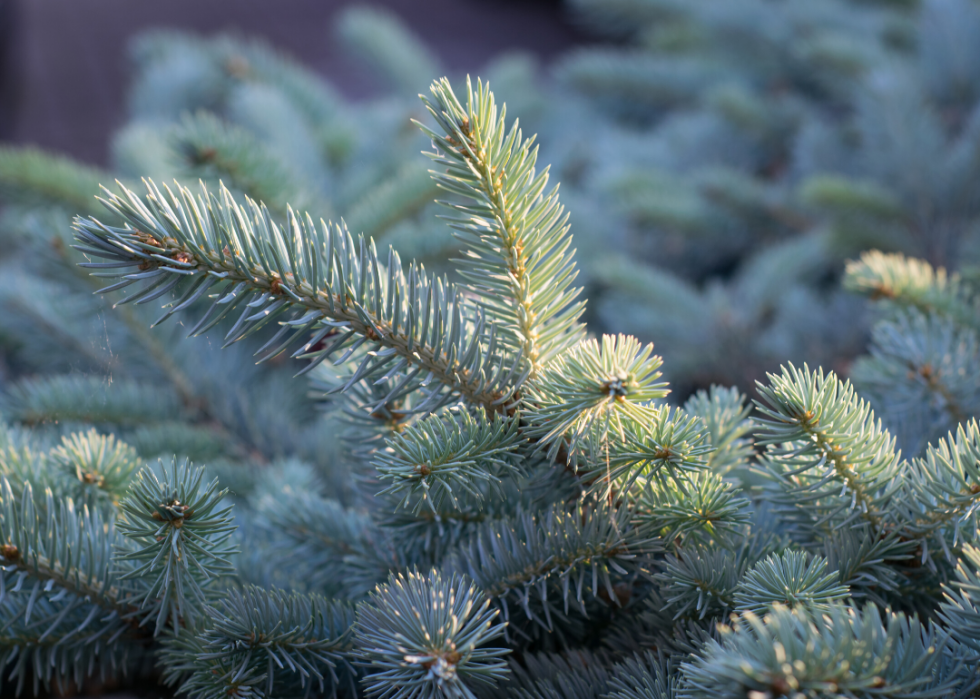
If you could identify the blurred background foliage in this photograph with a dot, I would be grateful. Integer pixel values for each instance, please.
(720, 161)
(747, 148)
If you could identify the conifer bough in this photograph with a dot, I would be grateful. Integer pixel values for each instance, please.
(534, 519)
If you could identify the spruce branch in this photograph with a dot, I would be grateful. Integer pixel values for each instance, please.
(647, 676)
(47, 652)
(583, 395)
(92, 469)
(791, 578)
(68, 319)
(24, 464)
(30, 175)
(308, 279)
(205, 148)
(633, 84)
(162, 355)
(906, 282)
(168, 438)
(941, 492)
(960, 609)
(430, 534)
(102, 465)
(268, 642)
(425, 636)
(88, 399)
(58, 322)
(181, 534)
(386, 45)
(224, 62)
(64, 606)
(726, 417)
(392, 201)
(368, 415)
(158, 348)
(314, 536)
(539, 474)
(923, 374)
(621, 18)
(440, 452)
(663, 444)
(847, 196)
(577, 674)
(699, 582)
(833, 462)
(701, 508)
(54, 544)
(654, 626)
(516, 236)
(525, 557)
(840, 651)
(868, 564)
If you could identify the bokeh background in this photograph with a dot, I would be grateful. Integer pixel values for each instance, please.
(65, 73)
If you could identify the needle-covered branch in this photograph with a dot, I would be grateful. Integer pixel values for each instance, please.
(583, 396)
(312, 537)
(89, 399)
(922, 375)
(559, 509)
(309, 279)
(725, 413)
(180, 531)
(268, 642)
(443, 452)
(63, 602)
(832, 461)
(517, 256)
(103, 466)
(792, 579)
(56, 545)
(961, 607)
(904, 283)
(425, 636)
(699, 507)
(567, 554)
(940, 494)
(790, 651)
(29, 175)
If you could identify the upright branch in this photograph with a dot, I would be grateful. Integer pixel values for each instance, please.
(517, 256)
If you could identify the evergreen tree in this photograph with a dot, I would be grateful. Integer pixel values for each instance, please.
(517, 509)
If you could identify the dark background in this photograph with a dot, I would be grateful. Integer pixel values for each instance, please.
(63, 65)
